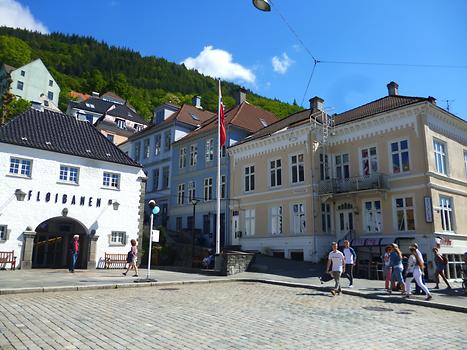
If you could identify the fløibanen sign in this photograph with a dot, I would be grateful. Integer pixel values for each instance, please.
(64, 198)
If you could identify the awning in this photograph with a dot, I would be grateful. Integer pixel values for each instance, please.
(359, 242)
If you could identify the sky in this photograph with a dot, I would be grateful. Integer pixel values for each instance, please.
(273, 53)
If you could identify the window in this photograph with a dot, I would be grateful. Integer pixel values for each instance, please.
(155, 179)
(178, 224)
(298, 218)
(50, 95)
(157, 145)
(249, 222)
(223, 152)
(222, 186)
(405, 214)
(51, 83)
(19, 85)
(400, 156)
(206, 224)
(120, 123)
(90, 105)
(20, 167)
(159, 116)
(111, 180)
(465, 162)
(249, 178)
(146, 150)
(165, 177)
(209, 150)
(167, 141)
(182, 159)
(208, 189)
(440, 156)
(276, 220)
(191, 191)
(298, 169)
(372, 216)
(323, 166)
(193, 155)
(275, 173)
(118, 238)
(369, 163)
(447, 220)
(326, 217)
(69, 174)
(3, 232)
(181, 194)
(23, 73)
(342, 166)
(137, 151)
(110, 137)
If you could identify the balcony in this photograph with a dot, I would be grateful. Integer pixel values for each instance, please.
(353, 184)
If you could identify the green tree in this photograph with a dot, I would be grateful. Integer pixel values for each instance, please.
(14, 107)
(13, 51)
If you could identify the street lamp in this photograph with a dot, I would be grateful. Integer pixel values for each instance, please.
(262, 5)
(193, 202)
(154, 210)
(115, 205)
(20, 195)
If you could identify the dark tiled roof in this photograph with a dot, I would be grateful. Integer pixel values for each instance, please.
(381, 105)
(58, 132)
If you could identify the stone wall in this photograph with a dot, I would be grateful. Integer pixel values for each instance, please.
(234, 262)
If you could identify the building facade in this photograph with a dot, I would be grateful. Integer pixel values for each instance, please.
(55, 185)
(393, 170)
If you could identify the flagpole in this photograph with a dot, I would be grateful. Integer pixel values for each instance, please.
(218, 192)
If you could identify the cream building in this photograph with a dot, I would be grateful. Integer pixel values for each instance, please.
(392, 170)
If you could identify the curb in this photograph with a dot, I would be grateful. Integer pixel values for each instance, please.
(356, 293)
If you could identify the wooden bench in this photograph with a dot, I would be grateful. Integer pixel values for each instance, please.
(8, 258)
(115, 260)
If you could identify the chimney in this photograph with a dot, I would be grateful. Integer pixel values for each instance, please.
(316, 104)
(196, 101)
(393, 88)
(240, 96)
(432, 100)
(94, 94)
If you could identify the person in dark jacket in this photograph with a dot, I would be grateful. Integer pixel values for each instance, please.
(74, 249)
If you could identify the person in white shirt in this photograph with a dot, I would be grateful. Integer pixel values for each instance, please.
(414, 271)
(337, 260)
(350, 260)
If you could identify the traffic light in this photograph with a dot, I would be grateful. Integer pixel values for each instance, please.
(154, 208)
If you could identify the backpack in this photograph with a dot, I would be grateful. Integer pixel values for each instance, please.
(129, 257)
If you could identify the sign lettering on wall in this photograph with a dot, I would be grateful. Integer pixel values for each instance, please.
(66, 199)
(428, 209)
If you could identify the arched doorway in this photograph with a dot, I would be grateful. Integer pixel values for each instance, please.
(51, 247)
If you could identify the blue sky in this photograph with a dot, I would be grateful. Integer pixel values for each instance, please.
(233, 40)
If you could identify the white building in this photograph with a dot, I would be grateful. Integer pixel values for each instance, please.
(60, 177)
(32, 82)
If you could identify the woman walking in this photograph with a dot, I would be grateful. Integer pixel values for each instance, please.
(441, 263)
(395, 261)
(133, 254)
(415, 272)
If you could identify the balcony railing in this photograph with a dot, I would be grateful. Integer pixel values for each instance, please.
(354, 184)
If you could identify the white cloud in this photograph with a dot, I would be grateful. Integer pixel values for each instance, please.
(218, 63)
(281, 64)
(13, 14)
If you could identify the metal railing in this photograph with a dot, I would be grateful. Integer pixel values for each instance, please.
(353, 184)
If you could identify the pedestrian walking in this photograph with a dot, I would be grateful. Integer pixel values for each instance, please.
(337, 260)
(350, 260)
(395, 261)
(418, 290)
(132, 258)
(441, 263)
(414, 271)
(387, 269)
(74, 251)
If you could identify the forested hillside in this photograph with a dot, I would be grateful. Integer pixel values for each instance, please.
(83, 64)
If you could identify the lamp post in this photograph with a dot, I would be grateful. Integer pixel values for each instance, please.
(262, 5)
(193, 202)
(154, 210)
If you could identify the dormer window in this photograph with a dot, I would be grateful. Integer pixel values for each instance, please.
(120, 123)
(263, 122)
(138, 127)
(89, 105)
(195, 117)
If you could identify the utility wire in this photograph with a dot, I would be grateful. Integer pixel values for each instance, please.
(309, 81)
(395, 64)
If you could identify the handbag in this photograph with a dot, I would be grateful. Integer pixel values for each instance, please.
(129, 257)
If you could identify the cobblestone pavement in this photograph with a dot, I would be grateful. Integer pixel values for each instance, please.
(230, 315)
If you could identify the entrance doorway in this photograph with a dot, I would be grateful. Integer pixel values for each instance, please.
(52, 244)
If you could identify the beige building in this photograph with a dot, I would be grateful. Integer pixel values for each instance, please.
(392, 170)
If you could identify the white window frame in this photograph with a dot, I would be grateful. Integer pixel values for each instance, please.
(121, 123)
(273, 172)
(440, 152)
(250, 221)
(182, 158)
(207, 189)
(193, 155)
(111, 180)
(447, 214)
(370, 158)
(157, 144)
(191, 191)
(117, 238)
(399, 152)
(223, 187)
(23, 168)
(298, 220)
(146, 148)
(297, 166)
(18, 84)
(342, 165)
(209, 154)
(404, 209)
(326, 218)
(372, 218)
(167, 140)
(251, 178)
(3, 233)
(66, 176)
(181, 194)
(276, 222)
(324, 168)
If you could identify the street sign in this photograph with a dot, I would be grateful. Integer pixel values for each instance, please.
(155, 235)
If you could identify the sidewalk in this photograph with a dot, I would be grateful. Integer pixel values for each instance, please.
(265, 270)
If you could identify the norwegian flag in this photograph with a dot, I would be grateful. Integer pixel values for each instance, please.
(221, 119)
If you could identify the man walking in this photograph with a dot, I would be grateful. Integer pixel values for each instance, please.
(350, 259)
(337, 260)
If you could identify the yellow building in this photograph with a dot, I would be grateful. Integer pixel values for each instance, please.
(392, 170)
